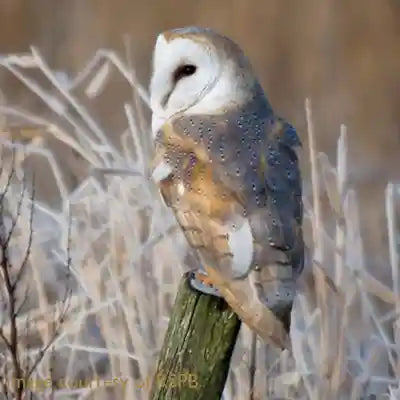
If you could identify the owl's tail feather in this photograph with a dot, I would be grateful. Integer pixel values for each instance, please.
(247, 304)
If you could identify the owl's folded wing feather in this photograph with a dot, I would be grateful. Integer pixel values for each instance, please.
(284, 193)
(253, 155)
(259, 172)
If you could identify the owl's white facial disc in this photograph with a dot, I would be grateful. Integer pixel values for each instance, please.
(184, 70)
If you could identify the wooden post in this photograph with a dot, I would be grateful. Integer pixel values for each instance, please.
(202, 332)
(195, 357)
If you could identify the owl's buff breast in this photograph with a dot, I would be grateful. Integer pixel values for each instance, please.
(209, 214)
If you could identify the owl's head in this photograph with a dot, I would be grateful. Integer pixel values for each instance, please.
(197, 71)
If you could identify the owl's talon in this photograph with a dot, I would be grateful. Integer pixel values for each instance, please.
(201, 282)
(204, 279)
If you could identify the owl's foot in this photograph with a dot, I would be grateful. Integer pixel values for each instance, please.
(199, 280)
(204, 278)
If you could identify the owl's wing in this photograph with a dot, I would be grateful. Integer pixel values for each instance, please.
(283, 187)
(250, 163)
(254, 156)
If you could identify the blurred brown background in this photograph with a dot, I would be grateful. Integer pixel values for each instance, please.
(343, 54)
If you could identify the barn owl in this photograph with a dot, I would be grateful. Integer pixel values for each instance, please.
(226, 165)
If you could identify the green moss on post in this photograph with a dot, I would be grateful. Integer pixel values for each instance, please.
(195, 357)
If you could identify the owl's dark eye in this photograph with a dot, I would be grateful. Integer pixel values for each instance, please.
(184, 70)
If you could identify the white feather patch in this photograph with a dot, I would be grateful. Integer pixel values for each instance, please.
(181, 189)
(161, 172)
(242, 247)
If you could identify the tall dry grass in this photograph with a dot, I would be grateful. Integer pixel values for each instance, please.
(128, 256)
